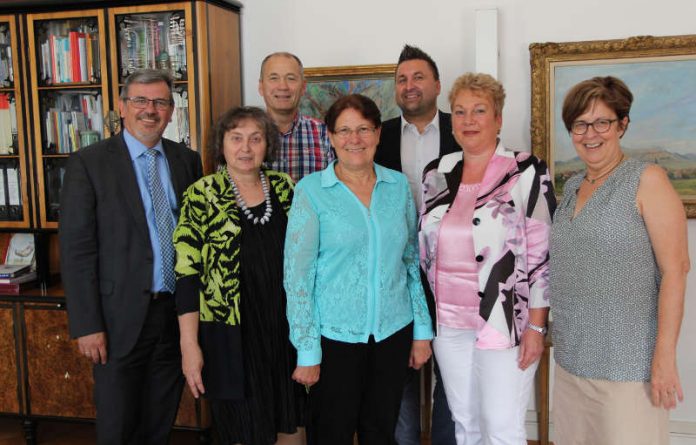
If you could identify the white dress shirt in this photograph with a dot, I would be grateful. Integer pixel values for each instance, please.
(417, 150)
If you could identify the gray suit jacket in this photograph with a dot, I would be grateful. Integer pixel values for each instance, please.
(105, 250)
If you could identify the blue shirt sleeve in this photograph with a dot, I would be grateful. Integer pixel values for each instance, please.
(300, 265)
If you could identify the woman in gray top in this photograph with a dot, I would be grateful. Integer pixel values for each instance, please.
(619, 262)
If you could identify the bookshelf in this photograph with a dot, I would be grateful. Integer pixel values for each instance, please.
(68, 73)
(14, 196)
(62, 65)
(159, 36)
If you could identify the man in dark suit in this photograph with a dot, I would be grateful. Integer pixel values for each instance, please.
(119, 204)
(408, 143)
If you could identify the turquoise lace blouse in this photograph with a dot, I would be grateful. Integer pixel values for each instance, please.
(351, 272)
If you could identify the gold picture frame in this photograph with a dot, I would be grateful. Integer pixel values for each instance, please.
(326, 84)
(554, 63)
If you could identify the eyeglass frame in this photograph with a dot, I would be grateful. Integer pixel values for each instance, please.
(592, 124)
(158, 103)
(362, 132)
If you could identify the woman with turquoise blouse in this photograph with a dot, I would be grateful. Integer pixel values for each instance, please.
(229, 291)
(356, 308)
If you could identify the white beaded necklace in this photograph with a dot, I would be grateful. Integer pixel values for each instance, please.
(243, 206)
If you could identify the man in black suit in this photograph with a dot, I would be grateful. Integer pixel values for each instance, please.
(120, 197)
(408, 143)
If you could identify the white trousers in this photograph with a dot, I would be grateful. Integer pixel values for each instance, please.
(487, 392)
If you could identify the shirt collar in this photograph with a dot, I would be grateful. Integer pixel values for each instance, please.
(329, 178)
(435, 123)
(295, 122)
(137, 148)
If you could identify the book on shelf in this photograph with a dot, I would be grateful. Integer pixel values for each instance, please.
(16, 288)
(71, 114)
(68, 54)
(8, 124)
(19, 279)
(13, 270)
(10, 194)
(178, 128)
(18, 272)
(21, 250)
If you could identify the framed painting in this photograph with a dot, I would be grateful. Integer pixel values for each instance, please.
(325, 85)
(659, 71)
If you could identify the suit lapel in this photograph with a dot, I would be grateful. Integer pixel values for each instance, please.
(447, 142)
(128, 183)
(176, 169)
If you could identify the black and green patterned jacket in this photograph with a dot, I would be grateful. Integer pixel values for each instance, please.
(207, 242)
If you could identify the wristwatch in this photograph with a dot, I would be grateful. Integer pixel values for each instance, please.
(540, 329)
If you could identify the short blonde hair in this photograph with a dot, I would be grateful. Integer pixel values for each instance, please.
(481, 84)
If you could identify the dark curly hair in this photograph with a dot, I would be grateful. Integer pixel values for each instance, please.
(231, 119)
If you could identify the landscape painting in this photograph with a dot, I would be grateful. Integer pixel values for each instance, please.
(325, 85)
(659, 71)
(662, 129)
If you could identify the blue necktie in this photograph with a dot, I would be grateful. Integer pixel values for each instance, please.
(163, 220)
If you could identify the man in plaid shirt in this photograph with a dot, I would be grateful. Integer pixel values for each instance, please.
(304, 141)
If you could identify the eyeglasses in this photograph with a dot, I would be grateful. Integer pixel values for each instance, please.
(140, 102)
(362, 132)
(600, 126)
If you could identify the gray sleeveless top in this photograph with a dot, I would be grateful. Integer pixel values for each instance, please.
(604, 281)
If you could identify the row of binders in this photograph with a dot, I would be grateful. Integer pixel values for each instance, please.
(18, 273)
(10, 192)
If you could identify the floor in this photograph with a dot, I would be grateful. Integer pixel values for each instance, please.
(63, 433)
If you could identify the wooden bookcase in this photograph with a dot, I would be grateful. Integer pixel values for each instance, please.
(62, 65)
(61, 98)
(15, 211)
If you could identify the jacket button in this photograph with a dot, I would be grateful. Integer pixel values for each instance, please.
(479, 258)
(476, 221)
(480, 294)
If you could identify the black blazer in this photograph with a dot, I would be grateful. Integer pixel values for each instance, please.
(389, 155)
(105, 251)
(389, 148)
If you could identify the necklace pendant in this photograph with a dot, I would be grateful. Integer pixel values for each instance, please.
(242, 204)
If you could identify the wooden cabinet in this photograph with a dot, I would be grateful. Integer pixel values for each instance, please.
(62, 65)
(74, 63)
(14, 172)
(42, 373)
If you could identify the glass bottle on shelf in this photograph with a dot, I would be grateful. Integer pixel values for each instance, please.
(152, 40)
(6, 67)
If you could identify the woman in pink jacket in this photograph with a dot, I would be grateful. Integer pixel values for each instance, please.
(484, 247)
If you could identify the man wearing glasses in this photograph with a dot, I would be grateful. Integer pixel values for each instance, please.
(304, 141)
(408, 143)
(119, 205)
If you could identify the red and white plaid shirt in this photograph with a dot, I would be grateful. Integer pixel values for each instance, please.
(304, 149)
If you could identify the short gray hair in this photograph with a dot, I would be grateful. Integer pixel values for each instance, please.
(281, 54)
(147, 76)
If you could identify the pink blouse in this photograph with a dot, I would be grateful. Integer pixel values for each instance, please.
(457, 275)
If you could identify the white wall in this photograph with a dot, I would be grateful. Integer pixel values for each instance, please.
(358, 32)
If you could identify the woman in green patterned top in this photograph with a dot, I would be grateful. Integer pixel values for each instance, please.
(230, 297)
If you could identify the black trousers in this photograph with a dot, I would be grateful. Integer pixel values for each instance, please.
(137, 396)
(359, 389)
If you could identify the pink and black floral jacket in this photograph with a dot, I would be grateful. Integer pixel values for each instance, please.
(511, 227)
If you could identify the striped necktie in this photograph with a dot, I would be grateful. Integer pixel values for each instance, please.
(163, 219)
